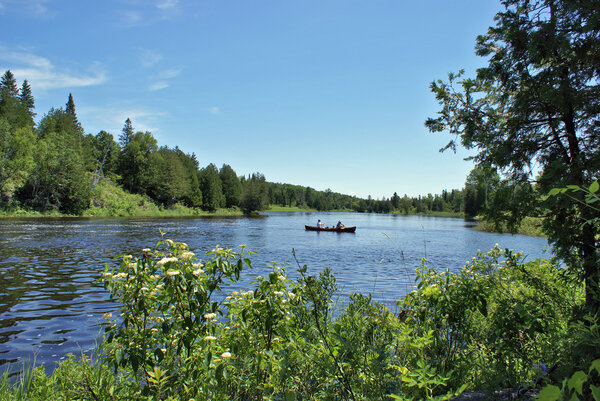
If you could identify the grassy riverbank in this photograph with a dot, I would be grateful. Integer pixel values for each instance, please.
(279, 208)
(531, 226)
(111, 200)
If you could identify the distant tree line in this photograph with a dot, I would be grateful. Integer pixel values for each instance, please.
(469, 201)
(485, 192)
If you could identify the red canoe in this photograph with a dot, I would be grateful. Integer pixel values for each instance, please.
(337, 230)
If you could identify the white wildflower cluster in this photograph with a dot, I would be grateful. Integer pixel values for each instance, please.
(187, 255)
(164, 261)
(120, 275)
(172, 273)
(210, 338)
(226, 354)
(170, 242)
(198, 272)
(146, 250)
(210, 316)
(107, 274)
(278, 293)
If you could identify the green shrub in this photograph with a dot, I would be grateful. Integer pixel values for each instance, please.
(496, 319)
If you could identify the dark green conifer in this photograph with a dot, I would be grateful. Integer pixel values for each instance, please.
(70, 109)
(127, 134)
(8, 85)
(26, 97)
(70, 106)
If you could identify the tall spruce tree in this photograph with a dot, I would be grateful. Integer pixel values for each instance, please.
(8, 85)
(70, 109)
(536, 104)
(11, 107)
(127, 134)
(26, 97)
(70, 106)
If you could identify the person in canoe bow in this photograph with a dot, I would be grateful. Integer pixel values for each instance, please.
(320, 224)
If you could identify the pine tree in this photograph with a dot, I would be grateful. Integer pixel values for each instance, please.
(127, 134)
(8, 85)
(26, 97)
(70, 106)
(70, 109)
(11, 107)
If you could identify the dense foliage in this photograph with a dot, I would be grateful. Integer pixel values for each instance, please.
(54, 165)
(533, 113)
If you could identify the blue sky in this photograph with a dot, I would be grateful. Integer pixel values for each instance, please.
(328, 94)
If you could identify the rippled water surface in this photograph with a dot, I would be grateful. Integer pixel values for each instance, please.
(51, 305)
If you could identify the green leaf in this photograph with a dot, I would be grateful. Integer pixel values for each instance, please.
(549, 393)
(290, 395)
(595, 392)
(207, 359)
(576, 381)
(554, 191)
(219, 374)
(119, 356)
(594, 187)
(159, 355)
(595, 365)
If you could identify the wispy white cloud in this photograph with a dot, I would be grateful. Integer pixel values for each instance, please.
(170, 73)
(163, 78)
(149, 58)
(112, 118)
(43, 75)
(215, 110)
(131, 18)
(140, 13)
(39, 8)
(167, 4)
(34, 8)
(158, 86)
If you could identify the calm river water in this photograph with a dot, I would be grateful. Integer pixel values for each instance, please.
(51, 305)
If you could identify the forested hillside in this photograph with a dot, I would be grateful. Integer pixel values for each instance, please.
(54, 165)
